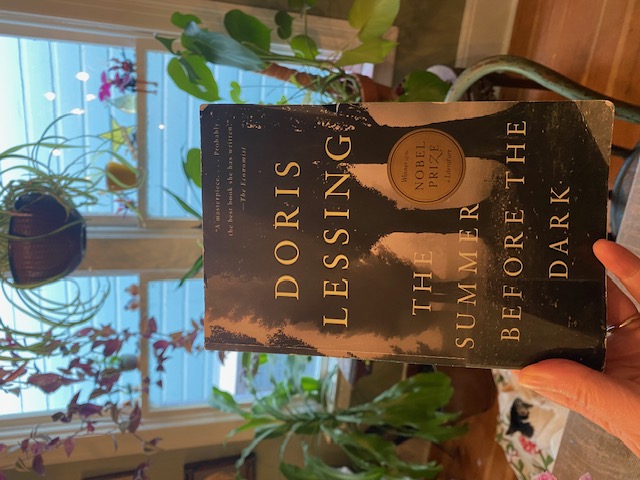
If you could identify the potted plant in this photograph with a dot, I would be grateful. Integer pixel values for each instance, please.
(367, 434)
(248, 45)
(93, 360)
(43, 235)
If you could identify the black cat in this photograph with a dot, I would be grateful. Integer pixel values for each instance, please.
(519, 418)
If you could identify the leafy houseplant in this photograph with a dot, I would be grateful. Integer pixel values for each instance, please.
(366, 433)
(248, 45)
(96, 359)
(43, 234)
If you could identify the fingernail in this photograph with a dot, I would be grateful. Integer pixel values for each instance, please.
(532, 381)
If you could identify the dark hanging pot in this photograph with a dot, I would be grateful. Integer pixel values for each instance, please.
(40, 256)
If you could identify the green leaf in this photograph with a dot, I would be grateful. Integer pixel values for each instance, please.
(192, 75)
(220, 49)
(370, 448)
(293, 472)
(309, 384)
(373, 17)
(193, 271)
(411, 407)
(253, 423)
(247, 361)
(284, 21)
(423, 86)
(304, 46)
(234, 93)
(184, 205)
(191, 167)
(374, 50)
(181, 20)
(247, 29)
(167, 42)
(323, 471)
(225, 402)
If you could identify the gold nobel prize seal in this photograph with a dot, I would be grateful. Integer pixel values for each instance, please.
(426, 166)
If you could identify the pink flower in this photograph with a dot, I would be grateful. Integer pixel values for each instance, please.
(124, 82)
(586, 476)
(545, 476)
(105, 87)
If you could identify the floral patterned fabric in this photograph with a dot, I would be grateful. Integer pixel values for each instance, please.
(529, 428)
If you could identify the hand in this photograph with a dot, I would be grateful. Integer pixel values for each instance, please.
(610, 399)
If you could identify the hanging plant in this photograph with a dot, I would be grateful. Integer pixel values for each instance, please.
(42, 232)
(47, 239)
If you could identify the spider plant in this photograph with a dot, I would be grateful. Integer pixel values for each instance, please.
(42, 233)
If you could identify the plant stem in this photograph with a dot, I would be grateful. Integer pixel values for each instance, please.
(540, 74)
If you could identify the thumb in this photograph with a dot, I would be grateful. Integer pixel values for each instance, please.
(604, 400)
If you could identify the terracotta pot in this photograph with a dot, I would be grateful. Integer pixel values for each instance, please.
(49, 256)
(372, 91)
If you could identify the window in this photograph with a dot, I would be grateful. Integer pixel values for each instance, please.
(55, 64)
(53, 78)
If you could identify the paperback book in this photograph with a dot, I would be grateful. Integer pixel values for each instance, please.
(445, 234)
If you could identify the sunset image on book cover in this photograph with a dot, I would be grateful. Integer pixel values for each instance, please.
(451, 234)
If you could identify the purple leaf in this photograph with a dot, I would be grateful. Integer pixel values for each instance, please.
(49, 382)
(85, 367)
(111, 347)
(18, 372)
(154, 441)
(74, 400)
(14, 391)
(134, 419)
(38, 465)
(106, 331)
(69, 445)
(57, 416)
(87, 409)
(108, 379)
(161, 345)
(97, 392)
(24, 444)
(37, 448)
(153, 325)
(84, 332)
(53, 443)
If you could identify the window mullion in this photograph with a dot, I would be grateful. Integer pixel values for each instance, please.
(141, 130)
(144, 343)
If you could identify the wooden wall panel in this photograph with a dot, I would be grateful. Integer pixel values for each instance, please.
(596, 43)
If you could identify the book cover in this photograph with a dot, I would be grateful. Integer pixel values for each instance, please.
(452, 234)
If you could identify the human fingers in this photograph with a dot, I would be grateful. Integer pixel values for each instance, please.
(622, 263)
(606, 401)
